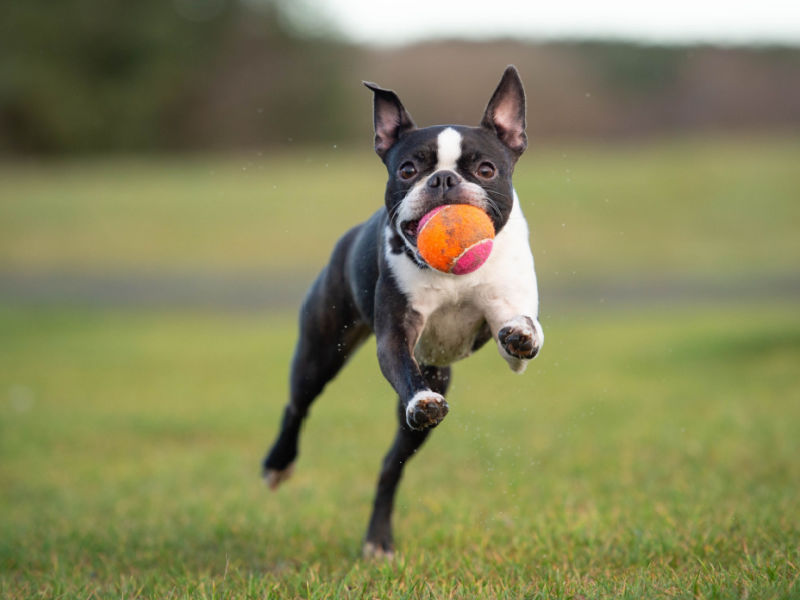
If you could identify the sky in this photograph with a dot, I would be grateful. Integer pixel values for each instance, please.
(678, 21)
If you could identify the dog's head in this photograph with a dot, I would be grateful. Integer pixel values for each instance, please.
(450, 164)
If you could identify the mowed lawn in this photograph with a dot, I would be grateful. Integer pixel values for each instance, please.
(646, 455)
(651, 451)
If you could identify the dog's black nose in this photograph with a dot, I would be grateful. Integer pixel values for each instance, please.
(444, 180)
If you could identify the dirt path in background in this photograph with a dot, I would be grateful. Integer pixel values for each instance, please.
(273, 291)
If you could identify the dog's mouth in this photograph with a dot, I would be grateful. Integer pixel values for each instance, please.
(410, 230)
(412, 227)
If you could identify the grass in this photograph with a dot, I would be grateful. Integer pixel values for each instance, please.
(650, 452)
(646, 455)
(688, 207)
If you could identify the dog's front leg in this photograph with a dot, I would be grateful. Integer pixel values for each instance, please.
(513, 319)
(421, 405)
(397, 330)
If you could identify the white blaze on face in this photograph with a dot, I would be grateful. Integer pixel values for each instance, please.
(449, 149)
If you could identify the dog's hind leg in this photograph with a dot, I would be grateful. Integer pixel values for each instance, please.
(379, 541)
(330, 331)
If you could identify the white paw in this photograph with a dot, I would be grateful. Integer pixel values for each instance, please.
(520, 340)
(426, 409)
(375, 552)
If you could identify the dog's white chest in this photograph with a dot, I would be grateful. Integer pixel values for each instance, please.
(454, 307)
(449, 334)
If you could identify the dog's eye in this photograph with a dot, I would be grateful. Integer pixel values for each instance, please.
(486, 170)
(407, 170)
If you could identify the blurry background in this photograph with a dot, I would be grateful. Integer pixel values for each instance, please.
(173, 173)
(171, 152)
(188, 75)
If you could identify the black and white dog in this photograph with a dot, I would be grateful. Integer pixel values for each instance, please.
(423, 319)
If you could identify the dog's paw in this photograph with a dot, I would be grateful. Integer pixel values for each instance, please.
(378, 551)
(425, 410)
(275, 477)
(520, 338)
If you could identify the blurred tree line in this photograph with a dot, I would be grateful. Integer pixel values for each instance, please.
(156, 75)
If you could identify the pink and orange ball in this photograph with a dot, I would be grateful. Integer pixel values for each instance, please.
(455, 238)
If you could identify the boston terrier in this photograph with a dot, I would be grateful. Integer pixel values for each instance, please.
(423, 319)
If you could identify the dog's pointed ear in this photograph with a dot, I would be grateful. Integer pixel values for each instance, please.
(391, 118)
(505, 113)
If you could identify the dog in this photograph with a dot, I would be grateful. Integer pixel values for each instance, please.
(424, 320)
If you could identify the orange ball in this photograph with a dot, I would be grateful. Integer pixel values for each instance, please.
(455, 238)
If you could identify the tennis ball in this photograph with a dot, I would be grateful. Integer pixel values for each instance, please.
(455, 238)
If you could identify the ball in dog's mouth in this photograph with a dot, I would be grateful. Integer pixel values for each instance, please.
(455, 238)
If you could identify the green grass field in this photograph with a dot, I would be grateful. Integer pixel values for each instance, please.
(653, 455)
(687, 207)
(649, 452)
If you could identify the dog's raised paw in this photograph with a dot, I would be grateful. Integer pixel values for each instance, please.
(519, 339)
(275, 477)
(425, 410)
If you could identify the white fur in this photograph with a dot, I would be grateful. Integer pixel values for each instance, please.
(453, 306)
(412, 404)
(448, 149)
